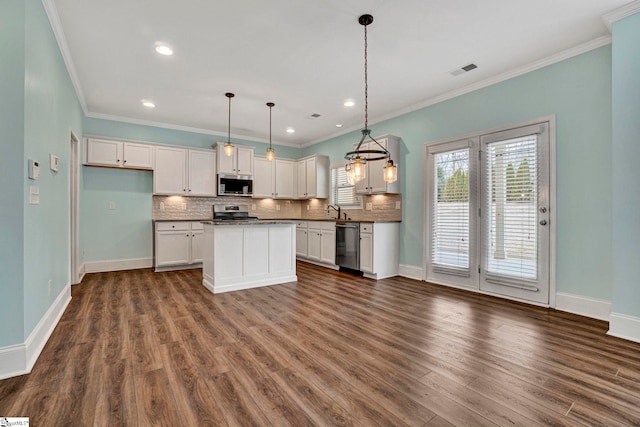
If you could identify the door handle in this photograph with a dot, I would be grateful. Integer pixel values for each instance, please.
(543, 222)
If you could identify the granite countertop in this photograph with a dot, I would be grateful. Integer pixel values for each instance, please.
(272, 220)
(250, 222)
(182, 219)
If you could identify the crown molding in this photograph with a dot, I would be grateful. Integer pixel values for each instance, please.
(550, 60)
(58, 32)
(172, 126)
(621, 13)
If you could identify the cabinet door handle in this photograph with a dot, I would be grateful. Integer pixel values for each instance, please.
(117, 160)
(173, 226)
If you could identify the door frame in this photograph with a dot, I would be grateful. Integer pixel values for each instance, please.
(426, 217)
(74, 208)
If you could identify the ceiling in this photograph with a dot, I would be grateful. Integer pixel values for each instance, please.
(306, 57)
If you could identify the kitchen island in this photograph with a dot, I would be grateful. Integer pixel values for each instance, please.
(248, 254)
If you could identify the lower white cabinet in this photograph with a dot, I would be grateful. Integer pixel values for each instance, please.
(380, 249)
(302, 240)
(320, 237)
(178, 244)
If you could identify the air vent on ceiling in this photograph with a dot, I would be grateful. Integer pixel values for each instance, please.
(463, 70)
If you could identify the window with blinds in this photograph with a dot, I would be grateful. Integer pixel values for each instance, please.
(510, 176)
(450, 212)
(343, 194)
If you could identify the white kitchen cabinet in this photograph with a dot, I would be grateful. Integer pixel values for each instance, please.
(119, 154)
(321, 242)
(374, 183)
(380, 249)
(273, 178)
(178, 244)
(366, 252)
(302, 240)
(184, 172)
(240, 163)
(201, 173)
(313, 177)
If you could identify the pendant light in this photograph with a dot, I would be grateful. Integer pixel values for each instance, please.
(271, 153)
(357, 159)
(228, 147)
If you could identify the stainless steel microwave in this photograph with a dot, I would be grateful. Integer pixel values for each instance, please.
(235, 185)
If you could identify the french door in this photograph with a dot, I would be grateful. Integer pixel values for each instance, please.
(488, 204)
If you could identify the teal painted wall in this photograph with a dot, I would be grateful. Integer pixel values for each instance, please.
(125, 232)
(51, 110)
(11, 171)
(578, 92)
(626, 174)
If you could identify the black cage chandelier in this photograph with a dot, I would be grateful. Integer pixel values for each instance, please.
(356, 165)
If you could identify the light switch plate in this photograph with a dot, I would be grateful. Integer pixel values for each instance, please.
(34, 195)
(53, 162)
(398, 204)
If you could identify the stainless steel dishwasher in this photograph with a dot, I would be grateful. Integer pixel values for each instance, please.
(348, 245)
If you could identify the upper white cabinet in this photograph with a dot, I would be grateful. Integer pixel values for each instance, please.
(374, 181)
(240, 163)
(184, 172)
(273, 178)
(119, 154)
(313, 177)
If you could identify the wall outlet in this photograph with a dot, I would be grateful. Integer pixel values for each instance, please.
(369, 206)
(308, 207)
(161, 206)
(184, 206)
(112, 205)
(278, 207)
(253, 206)
(398, 204)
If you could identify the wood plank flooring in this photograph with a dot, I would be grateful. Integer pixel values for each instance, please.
(139, 348)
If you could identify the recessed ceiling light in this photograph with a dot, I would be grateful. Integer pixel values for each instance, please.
(148, 104)
(290, 130)
(163, 49)
(338, 125)
(349, 103)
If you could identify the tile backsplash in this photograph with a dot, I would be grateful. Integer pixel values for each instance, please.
(383, 208)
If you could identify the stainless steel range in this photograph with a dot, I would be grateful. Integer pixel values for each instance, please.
(232, 213)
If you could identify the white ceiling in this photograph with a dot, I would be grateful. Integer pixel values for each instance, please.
(307, 57)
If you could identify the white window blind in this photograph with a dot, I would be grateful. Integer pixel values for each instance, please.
(510, 175)
(450, 212)
(343, 194)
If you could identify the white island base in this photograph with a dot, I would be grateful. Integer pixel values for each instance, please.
(248, 255)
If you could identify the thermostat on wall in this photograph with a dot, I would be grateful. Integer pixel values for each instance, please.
(33, 169)
(53, 162)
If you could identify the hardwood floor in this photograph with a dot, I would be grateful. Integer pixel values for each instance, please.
(144, 348)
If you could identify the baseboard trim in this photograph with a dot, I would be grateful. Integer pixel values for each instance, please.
(19, 359)
(117, 265)
(625, 327)
(81, 273)
(411, 272)
(584, 306)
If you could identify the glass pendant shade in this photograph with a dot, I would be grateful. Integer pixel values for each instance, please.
(228, 149)
(358, 170)
(271, 154)
(390, 172)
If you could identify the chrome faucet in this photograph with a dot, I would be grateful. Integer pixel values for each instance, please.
(335, 209)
